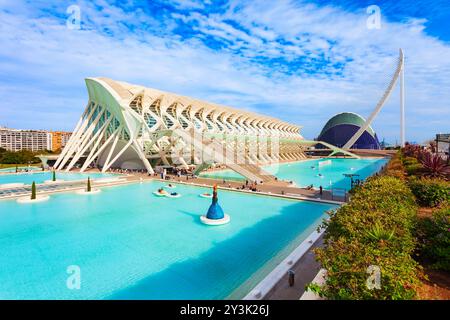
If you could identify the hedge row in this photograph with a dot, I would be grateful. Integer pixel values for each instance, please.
(412, 166)
(430, 192)
(22, 156)
(433, 234)
(373, 229)
(395, 167)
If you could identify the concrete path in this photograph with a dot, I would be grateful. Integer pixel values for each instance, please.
(305, 270)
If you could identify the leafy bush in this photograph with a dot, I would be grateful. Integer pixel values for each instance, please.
(347, 262)
(430, 192)
(395, 165)
(410, 160)
(412, 150)
(434, 237)
(23, 156)
(374, 228)
(395, 168)
(414, 169)
(412, 166)
(379, 233)
(399, 174)
(435, 165)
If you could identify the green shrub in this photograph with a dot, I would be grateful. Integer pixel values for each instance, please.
(414, 169)
(22, 156)
(395, 167)
(410, 161)
(347, 262)
(374, 228)
(379, 233)
(434, 237)
(381, 200)
(430, 192)
(399, 174)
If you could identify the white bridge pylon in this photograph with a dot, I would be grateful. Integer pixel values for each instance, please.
(399, 73)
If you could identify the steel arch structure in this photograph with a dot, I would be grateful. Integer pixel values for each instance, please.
(399, 73)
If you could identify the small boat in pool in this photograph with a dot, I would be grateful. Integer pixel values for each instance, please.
(206, 195)
(163, 193)
(160, 193)
(173, 195)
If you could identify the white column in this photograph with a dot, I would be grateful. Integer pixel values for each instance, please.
(142, 156)
(402, 106)
(98, 152)
(86, 140)
(113, 147)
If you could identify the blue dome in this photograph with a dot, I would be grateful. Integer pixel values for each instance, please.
(340, 128)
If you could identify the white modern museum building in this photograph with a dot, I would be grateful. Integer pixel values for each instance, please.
(133, 127)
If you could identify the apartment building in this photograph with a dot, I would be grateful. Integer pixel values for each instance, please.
(59, 139)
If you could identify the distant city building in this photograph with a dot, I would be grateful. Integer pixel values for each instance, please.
(33, 140)
(343, 126)
(59, 139)
(443, 144)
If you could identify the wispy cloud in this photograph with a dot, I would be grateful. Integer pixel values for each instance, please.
(300, 61)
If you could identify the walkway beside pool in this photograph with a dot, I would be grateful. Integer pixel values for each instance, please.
(305, 269)
(275, 188)
(53, 187)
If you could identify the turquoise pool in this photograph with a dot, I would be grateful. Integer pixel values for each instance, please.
(130, 244)
(305, 173)
(40, 177)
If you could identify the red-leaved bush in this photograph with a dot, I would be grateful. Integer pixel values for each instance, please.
(434, 165)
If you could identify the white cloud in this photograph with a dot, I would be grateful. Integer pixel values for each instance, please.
(40, 53)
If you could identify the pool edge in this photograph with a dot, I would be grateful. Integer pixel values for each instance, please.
(265, 286)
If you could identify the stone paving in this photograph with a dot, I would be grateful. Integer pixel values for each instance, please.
(305, 270)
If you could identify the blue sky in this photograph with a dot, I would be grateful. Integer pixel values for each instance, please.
(301, 61)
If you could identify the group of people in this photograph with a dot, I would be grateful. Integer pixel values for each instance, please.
(164, 192)
(119, 170)
(248, 186)
(23, 170)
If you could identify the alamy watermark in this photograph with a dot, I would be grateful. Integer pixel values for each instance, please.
(374, 19)
(374, 279)
(73, 281)
(73, 22)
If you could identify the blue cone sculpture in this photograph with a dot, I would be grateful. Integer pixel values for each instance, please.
(215, 212)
